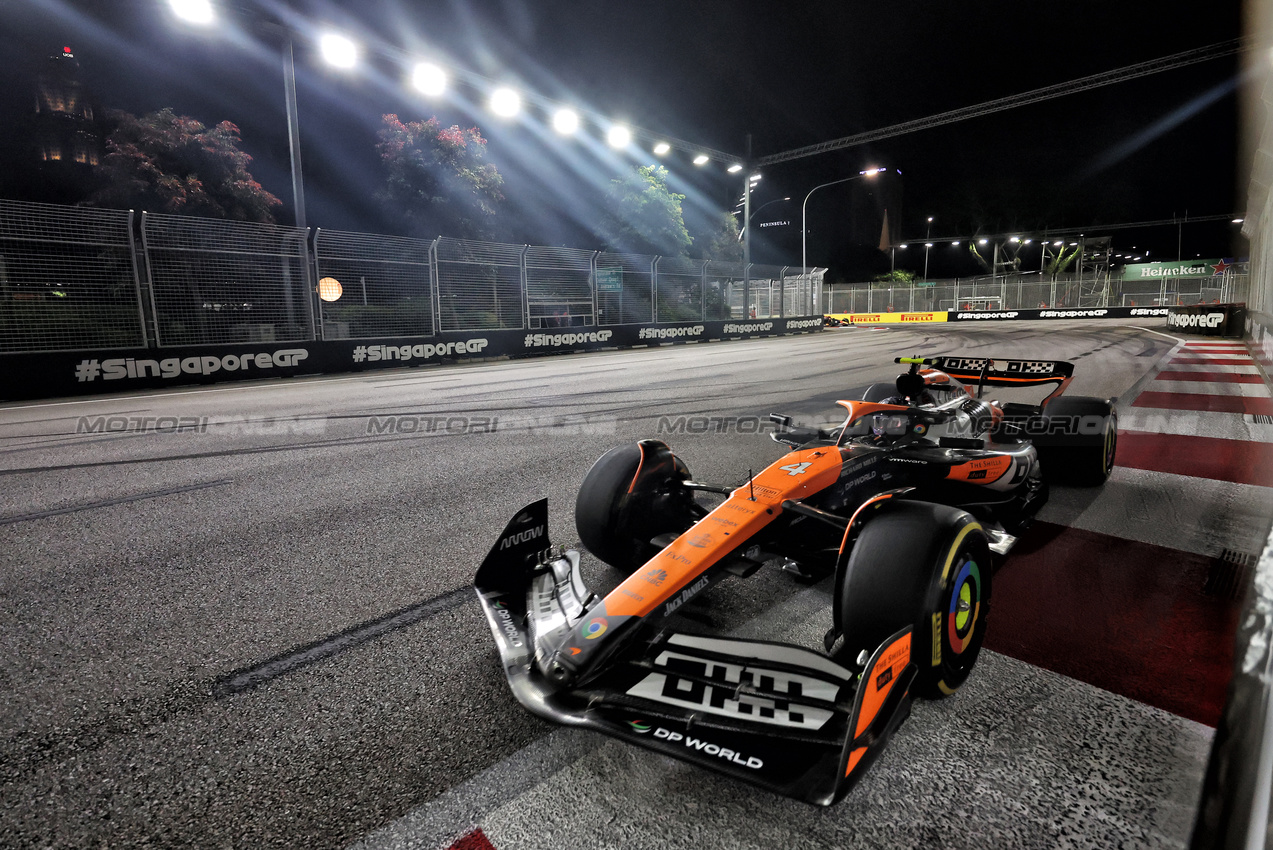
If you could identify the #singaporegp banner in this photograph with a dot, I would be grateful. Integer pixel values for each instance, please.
(64, 373)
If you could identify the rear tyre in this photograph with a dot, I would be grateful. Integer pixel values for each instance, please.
(631, 495)
(1078, 442)
(926, 566)
(879, 392)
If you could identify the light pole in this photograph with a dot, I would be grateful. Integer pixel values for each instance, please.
(201, 13)
(293, 131)
(928, 232)
(749, 186)
(804, 209)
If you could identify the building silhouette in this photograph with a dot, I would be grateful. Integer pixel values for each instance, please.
(59, 141)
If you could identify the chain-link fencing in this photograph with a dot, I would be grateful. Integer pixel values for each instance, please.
(68, 278)
(74, 278)
(226, 281)
(1022, 292)
(373, 286)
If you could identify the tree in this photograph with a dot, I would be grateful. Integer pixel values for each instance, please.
(438, 179)
(164, 162)
(722, 243)
(1061, 261)
(976, 255)
(643, 216)
(897, 276)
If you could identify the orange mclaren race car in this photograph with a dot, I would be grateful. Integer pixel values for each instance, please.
(906, 504)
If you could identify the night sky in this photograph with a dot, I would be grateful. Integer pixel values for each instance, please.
(789, 74)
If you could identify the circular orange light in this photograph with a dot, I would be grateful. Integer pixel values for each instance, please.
(329, 289)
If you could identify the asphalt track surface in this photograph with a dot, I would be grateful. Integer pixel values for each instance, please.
(258, 630)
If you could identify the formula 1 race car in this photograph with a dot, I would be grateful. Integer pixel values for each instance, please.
(905, 503)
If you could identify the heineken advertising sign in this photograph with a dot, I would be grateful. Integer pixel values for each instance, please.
(1188, 268)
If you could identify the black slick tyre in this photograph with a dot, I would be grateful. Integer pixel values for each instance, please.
(630, 496)
(1078, 441)
(926, 566)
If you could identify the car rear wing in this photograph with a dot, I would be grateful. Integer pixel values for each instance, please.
(1000, 371)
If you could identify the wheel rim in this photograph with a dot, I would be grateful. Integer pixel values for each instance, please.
(1111, 441)
(965, 605)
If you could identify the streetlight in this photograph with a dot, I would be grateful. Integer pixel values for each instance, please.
(339, 51)
(428, 79)
(505, 102)
(566, 121)
(892, 264)
(747, 223)
(193, 11)
(804, 208)
(619, 136)
(201, 13)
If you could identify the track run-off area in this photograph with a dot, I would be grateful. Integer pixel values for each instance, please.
(243, 615)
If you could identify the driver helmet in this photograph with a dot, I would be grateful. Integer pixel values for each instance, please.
(913, 387)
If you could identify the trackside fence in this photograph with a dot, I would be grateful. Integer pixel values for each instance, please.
(68, 278)
(73, 279)
(1028, 292)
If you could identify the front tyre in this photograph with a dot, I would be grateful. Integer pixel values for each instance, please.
(926, 566)
(631, 495)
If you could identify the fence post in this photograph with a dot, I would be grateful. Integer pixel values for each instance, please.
(435, 285)
(592, 284)
(782, 292)
(132, 256)
(150, 278)
(525, 281)
(654, 289)
(318, 275)
(702, 292)
(310, 284)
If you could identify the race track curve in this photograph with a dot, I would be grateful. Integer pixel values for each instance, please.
(242, 615)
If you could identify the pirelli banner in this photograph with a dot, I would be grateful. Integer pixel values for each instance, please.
(64, 373)
(1208, 319)
(889, 318)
